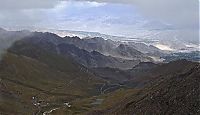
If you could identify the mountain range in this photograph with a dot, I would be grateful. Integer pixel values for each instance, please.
(157, 40)
(43, 73)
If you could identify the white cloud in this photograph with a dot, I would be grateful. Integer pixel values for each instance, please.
(27, 4)
(24, 12)
(181, 14)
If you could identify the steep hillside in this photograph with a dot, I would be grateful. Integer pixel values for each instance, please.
(175, 93)
(41, 81)
(142, 73)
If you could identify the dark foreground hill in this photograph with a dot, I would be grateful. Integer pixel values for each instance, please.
(176, 93)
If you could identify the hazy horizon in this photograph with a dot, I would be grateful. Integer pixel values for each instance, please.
(168, 20)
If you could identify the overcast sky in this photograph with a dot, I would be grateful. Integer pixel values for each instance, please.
(132, 18)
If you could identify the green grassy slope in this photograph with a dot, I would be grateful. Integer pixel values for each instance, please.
(51, 78)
